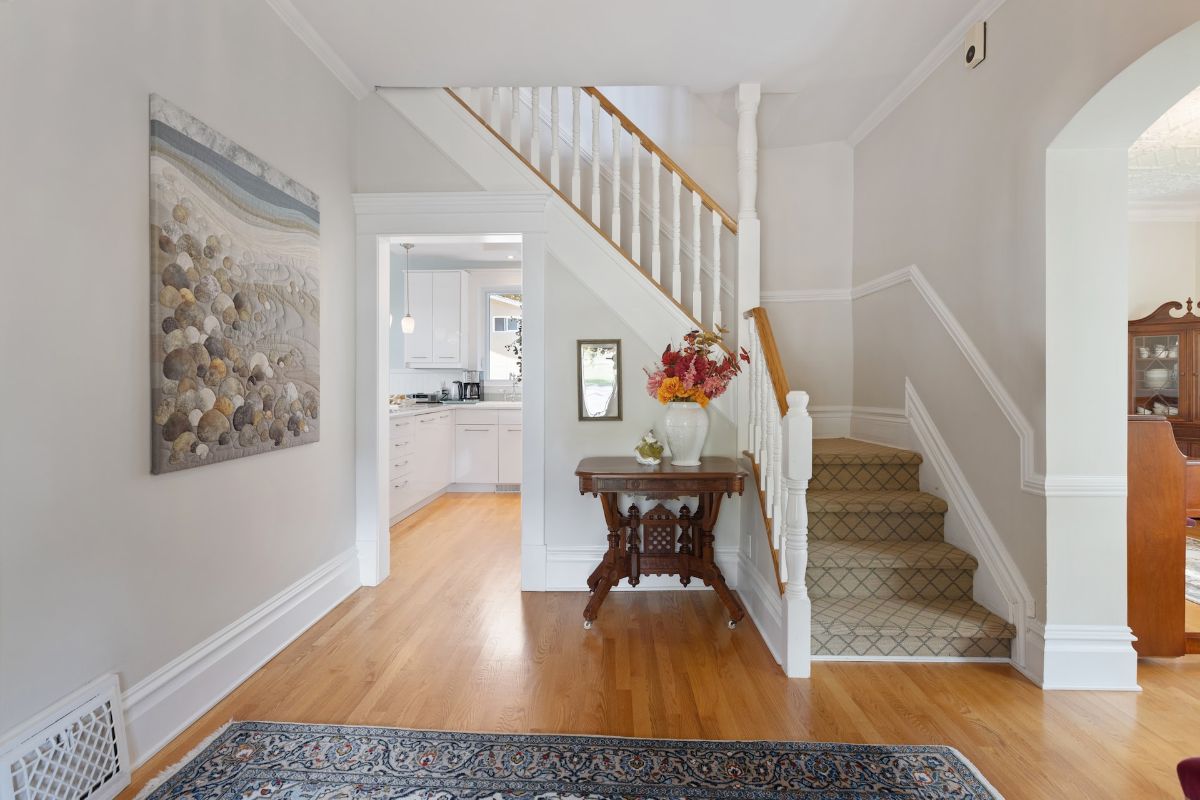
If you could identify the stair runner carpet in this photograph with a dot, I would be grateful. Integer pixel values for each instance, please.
(883, 581)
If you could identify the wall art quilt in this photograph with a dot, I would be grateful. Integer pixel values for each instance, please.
(235, 299)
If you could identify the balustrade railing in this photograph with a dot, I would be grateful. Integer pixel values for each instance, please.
(606, 183)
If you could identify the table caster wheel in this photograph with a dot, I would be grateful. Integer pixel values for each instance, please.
(732, 624)
(587, 624)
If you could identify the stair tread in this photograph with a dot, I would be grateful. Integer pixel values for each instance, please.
(852, 451)
(888, 554)
(895, 617)
(875, 500)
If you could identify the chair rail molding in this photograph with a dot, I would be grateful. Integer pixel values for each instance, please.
(807, 296)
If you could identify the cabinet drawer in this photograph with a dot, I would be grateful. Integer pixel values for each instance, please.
(475, 416)
(511, 417)
(400, 465)
(400, 449)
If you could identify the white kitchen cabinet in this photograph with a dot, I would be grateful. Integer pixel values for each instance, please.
(438, 304)
(508, 453)
(475, 453)
(418, 345)
(421, 460)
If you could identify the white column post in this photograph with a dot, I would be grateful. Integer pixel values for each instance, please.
(748, 237)
(797, 471)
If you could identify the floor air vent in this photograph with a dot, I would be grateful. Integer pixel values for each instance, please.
(508, 488)
(73, 751)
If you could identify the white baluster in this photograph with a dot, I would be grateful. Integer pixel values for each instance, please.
(777, 456)
(676, 233)
(752, 377)
(697, 297)
(514, 124)
(797, 615)
(554, 137)
(616, 182)
(768, 462)
(716, 270)
(494, 111)
(575, 176)
(596, 161)
(656, 218)
(635, 208)
(535, 136)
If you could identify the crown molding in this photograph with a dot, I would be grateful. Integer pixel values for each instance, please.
(320, 48)
(944, 49)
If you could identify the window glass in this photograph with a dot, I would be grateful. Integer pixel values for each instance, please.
(504, 336)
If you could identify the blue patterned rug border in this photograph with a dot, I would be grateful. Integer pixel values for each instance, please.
(192, 764)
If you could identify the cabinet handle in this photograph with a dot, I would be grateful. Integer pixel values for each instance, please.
(514, 430)
(399, 485)
(400, 463)
(427, 420)
(477, 430)
(399, 444)
(447, 358)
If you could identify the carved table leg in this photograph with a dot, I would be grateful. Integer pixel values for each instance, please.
(706, 516)
(635, 534)
(608, 573)
(597, 599)
(685, 545)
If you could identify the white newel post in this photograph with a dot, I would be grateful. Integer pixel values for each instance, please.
(748, 246)
(797, 471)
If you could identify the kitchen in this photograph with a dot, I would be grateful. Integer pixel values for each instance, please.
(455, 369)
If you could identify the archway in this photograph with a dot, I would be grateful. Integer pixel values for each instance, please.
(1087, 642)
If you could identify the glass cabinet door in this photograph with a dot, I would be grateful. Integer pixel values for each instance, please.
(1155, 371)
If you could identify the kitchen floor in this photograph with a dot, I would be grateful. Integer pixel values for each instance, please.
(450, 642)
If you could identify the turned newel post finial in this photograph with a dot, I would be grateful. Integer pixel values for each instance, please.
(1189, 305)
(748, 97)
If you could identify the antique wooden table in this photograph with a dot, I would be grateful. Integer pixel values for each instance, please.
(659, 541)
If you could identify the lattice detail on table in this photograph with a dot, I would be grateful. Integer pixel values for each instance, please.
(659, 526)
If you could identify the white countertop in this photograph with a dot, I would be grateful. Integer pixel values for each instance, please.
(485, 405)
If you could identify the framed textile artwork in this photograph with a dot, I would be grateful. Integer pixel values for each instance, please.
(235, 299)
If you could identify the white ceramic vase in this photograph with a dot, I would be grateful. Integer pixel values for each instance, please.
(686, 427)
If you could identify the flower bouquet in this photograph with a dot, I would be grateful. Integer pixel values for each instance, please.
(685, 381)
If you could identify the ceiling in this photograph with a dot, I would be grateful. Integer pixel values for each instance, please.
(460, 252)
(831, 63)
(1164, 163)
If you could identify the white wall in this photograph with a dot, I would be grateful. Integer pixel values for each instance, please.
(390, 155)
(1164, 264)
(105, 566)
(954, 181)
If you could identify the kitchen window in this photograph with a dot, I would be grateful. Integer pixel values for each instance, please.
(504, 336)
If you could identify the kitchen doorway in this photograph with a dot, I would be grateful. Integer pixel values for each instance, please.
(449, 387)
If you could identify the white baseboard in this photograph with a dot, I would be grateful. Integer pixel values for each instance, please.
(568, 568)
(417, 506)
(886, 426)
(764, 604)
(1086, 657)
(158, 708)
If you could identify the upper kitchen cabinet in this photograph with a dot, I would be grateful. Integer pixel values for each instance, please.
(438, 304)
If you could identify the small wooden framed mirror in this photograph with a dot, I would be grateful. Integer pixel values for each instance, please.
(599, 379)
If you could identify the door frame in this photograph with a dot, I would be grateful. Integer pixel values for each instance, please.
(380, 217)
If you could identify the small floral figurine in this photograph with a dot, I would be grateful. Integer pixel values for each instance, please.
(649, 450)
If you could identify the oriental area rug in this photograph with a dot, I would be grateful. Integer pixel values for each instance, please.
(323, 762)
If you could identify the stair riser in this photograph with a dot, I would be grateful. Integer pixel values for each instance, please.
(866, 476)
(907, 583)
(900, 647)
(880, 526)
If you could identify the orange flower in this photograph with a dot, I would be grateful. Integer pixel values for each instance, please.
(700, 397)
(668, 390)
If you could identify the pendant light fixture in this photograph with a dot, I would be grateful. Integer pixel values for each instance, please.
(407, 324)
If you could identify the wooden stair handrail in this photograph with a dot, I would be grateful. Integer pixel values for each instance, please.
(770, 351)
(648, 143)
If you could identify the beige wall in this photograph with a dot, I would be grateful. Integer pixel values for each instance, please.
(954, 182)
(1164, 264)
(106, 567)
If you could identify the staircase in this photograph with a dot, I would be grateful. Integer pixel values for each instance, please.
(883, 582)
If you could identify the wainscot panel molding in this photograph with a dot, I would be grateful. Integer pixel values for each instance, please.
(1085, 486)
(947, 47)
(886, 426)
(989, 548)
(831, 422)
(568, 568)
(1086, 657)
(1031, 480)
(807, 296)
(159, 707)
(320, 48)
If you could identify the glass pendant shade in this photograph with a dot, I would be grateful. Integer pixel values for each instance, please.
(408, 324)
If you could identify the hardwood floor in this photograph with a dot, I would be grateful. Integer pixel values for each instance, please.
(450, 642)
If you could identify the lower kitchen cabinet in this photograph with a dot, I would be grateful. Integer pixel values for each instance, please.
(509, 454)
(476, 458)
(421, 461)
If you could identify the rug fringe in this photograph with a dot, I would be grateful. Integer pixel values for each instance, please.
(158, 780)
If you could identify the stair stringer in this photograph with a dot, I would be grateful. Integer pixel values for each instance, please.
(571, 239)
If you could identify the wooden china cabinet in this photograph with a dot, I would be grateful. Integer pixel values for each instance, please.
(1164, 364)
